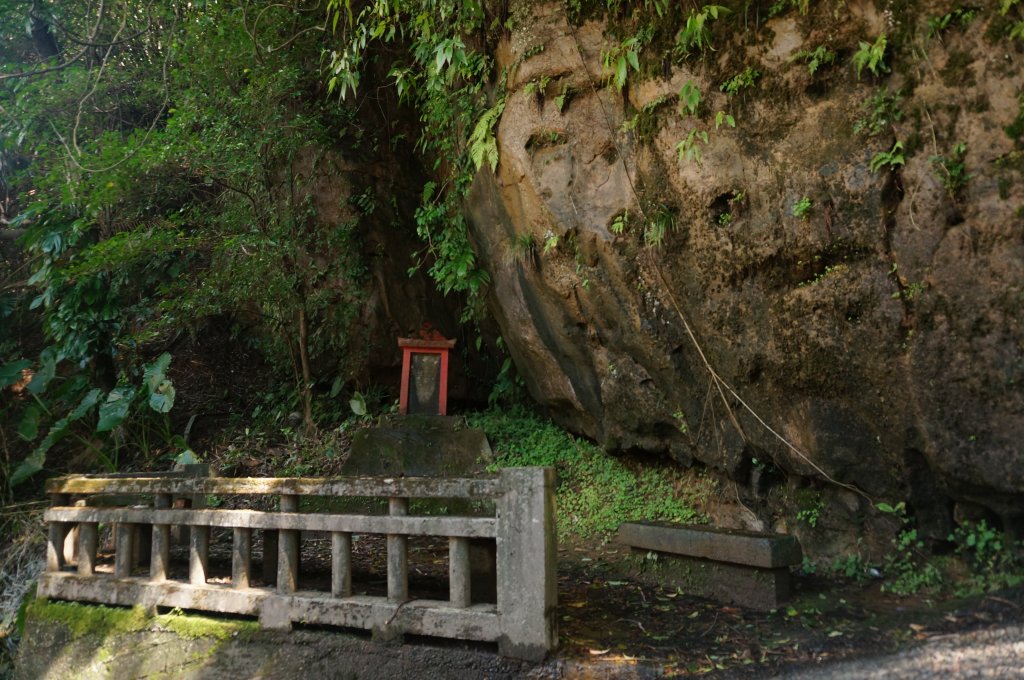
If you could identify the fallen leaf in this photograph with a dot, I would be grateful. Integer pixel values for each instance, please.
(599, 652)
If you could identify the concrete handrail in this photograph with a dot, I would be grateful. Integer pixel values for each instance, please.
(523, 621)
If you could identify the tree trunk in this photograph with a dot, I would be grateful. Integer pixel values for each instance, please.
(307, 375)
(42, 37)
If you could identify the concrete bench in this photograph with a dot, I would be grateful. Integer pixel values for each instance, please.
(741, 567)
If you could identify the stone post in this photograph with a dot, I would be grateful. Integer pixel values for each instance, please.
(459, 590)
(398, 556)
(160, 562)
(527, 563)
(241, 557)
(341, 564)
(58, 531)
(288, 550)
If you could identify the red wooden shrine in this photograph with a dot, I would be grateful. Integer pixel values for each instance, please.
(424, 373)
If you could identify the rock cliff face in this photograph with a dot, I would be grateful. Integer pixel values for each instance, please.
(818, 330)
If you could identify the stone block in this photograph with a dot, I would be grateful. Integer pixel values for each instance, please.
(419, 446)
(749, 548)
(739, 567)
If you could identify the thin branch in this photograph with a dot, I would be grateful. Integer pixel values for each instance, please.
(243, 192)
(96, 83)
(20, 285)
(294, 37)
(152, 126)
(42, 71)
(251, 32)
(91, 40)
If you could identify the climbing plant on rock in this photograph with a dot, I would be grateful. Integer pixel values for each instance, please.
(436, 70)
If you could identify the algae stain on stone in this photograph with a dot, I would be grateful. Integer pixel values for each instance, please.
(100, 641)
(193, 627)
(83, 619)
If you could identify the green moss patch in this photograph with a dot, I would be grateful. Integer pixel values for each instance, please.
(596, 491)
(87, 619)
(193, 626)
(104, 621)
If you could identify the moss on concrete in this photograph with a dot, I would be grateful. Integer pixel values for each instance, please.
(193, 626)
(102, 621)
(83, 619)
(96, 641)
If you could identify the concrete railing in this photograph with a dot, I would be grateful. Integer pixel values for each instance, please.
(523, 621)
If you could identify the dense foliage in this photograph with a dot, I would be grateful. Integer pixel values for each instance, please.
(159, 165)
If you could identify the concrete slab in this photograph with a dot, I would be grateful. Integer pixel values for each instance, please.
(752, 549)
(740, 567)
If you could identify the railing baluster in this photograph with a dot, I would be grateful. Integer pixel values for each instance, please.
(522, 621)
(88, 535)
(124, 540)
(160, 562)
(198, 554)
(527, 563)
(241, 557)
(458, 571)
(56, 533)
(341, 563)
(398, 556)
(288, 550)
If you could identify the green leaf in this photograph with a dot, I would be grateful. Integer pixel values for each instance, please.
(46, 372)
(114, 410)
(162, 399)
(689, 98)
(34, 463)
(84, 406)
(358, 404)
(186, 457)
(336, 386)
(483, 145)
(28, 428)
(27, 468)
(634, 60)
(154, 374)
(11, 373)
(885, 507)
(620, 73)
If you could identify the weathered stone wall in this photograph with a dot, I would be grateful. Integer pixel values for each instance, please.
(53, 650)
(880, 335)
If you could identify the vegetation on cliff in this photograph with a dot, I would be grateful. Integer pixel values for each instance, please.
(177, 172)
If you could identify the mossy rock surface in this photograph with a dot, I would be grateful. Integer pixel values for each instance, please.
(419, 446)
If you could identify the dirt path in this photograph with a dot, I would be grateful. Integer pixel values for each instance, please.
(996, 652)
(829, 628)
